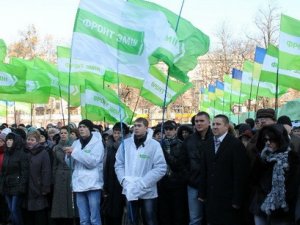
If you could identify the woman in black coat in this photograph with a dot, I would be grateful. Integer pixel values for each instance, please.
(275, 184)
(14, 176)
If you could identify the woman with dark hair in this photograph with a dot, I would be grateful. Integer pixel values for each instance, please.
(14, 176)
(275, 185)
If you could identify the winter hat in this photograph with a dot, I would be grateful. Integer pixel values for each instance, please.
(2, 136)
(89, 124)
(266, 113)
(284, 120)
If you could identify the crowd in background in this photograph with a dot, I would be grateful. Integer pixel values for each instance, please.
(208, 172)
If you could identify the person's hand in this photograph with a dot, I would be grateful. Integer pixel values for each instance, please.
(68, 150)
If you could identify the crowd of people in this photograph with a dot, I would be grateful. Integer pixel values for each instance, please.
(208, 172)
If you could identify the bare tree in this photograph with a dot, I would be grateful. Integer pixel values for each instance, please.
(267, 22)
(31, 45)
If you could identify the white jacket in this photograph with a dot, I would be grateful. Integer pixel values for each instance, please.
(88, 165)
(138, 170)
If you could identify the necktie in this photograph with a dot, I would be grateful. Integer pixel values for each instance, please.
(217, 144)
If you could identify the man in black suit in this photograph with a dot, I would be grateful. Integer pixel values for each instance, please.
(224, 175)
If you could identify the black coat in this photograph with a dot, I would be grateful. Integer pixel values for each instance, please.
(194, 145)
(223, 180)
(263, 185)
(176, 159)
(114, 200)
(14, 173)
(39, 179)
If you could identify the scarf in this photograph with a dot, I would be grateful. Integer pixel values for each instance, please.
(276, 198)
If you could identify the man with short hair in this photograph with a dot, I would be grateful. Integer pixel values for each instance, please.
(224, 171)
(140, 164)
(194, 145)
(87, 179)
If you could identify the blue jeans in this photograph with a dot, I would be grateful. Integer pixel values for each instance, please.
(148, 209)
(14, 205)
(88, 204)
(195, 207)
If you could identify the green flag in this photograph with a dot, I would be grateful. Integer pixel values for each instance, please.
(66, 78)
(289, 44)
(2, 50)
(98, 103)
(12, 79)
(119, 37)
(52, 73)
(286, 78)
(37, 84)
(154, 88)
(180, 49)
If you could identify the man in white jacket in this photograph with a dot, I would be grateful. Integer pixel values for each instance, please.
(87, 179)
(140, 164)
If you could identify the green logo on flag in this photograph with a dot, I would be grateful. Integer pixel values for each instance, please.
(122, 38)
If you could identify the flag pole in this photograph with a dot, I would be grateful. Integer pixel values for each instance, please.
(168, 76)
(134, 109)
(6, 111)
(276, 92)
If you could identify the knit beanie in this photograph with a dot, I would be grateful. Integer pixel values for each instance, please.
(89, 124)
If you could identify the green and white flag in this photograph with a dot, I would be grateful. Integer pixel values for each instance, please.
(248, 83)
(12, 79)
(289, 44)
(3, 49)
(286, 78)
(180, 49)
(100, 104)
(155, 84)
(52, 72)
(63, 63)
(38, 84)
(118, 36)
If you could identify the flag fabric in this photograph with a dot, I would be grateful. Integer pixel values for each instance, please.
(211, 92)
(155, 84)
(181, 49)
(248, 83)
(38, 84)
(3, 49)
(118, 36)
(219, 89)
(286, 78)
(204, 101)
(12, 79)
(265, 89)
(289, 43)
(52, 73)
(100, 104)
(63, 62)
